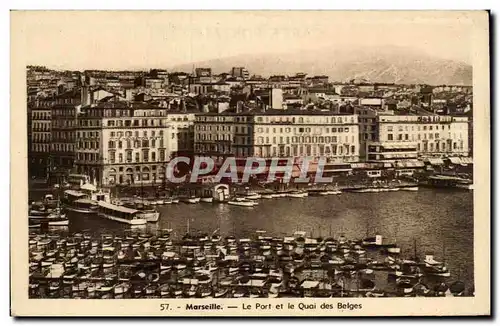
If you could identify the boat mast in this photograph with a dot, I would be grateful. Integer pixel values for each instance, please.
(444, 252)
(415, 249)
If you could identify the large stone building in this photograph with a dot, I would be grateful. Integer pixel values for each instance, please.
(63, 133)
(182, 125)
(278, 133)
(402, 137)
(39, 137)
(367, 117)
(124, 143)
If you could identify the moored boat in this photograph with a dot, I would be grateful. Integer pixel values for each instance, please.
(446, 181)
(149, 214)
(190, 200)
(297, 194)
(38, 209)
(55, 218)
(50, 202)
(240, 201)
(412, 188)
(76, 201)
(120, 214)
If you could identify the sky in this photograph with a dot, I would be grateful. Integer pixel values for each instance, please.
(162, 39)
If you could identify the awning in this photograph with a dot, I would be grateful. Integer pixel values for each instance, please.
(410, 146)
(88, 187)
(455, 160)
(309, 284)
(74, 193)
(337, 170)
(359, 165)
(467, 160)
(117, 208)
(435, 161)
(417, 164)
(409, 164)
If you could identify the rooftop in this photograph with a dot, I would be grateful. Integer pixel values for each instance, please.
(270, 112)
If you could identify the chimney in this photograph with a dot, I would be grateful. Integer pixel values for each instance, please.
(239, 107)
(85, 100)
(128, 95)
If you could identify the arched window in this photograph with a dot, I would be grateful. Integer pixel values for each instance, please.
(145, 173)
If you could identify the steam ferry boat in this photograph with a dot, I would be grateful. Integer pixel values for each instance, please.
(120, 214)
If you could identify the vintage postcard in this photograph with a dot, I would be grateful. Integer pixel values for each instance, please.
(250, 163)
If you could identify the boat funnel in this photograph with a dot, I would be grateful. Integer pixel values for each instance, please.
(378, 239)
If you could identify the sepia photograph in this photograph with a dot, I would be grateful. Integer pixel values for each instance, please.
(250, 162)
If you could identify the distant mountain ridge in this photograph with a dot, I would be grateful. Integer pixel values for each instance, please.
(385, 64)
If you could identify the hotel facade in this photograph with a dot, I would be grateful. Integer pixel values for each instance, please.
(278, 133)
(123, 143)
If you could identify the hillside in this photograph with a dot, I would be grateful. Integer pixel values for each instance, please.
(376, 64)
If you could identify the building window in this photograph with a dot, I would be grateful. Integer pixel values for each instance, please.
(137, 158)
(111, 144)
(153, 143)
(120, 158)
(120, 144)
(153, 156)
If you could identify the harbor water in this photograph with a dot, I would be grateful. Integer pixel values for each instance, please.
(437, 221)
